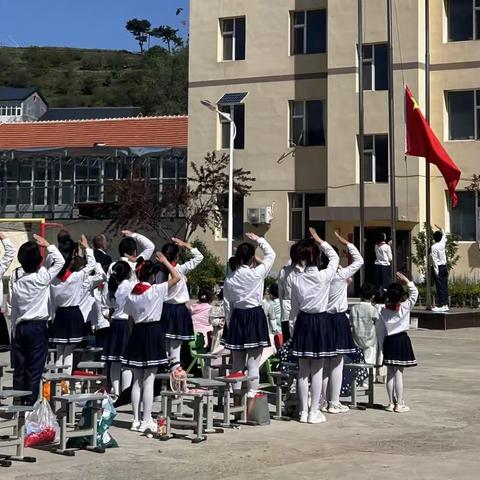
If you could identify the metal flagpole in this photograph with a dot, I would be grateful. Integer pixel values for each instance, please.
(391, 139)
(428, 279)
(361, 132)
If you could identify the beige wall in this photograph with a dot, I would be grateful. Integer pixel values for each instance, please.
(273, 77)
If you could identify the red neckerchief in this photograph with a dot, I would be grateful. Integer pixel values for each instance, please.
(140, 288)
(173, 264)
(394, 307)
(100, 286)
(65, 276)
(379, 244)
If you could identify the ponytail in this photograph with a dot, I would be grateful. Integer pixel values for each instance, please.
(67, 248)
(146, 269)
(243, 256)
(171, 251)
(120, 272)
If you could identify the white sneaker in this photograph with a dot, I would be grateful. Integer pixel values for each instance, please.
(324, 406)
(316, 417)
(437, 309)
(148, 425)
(303, 417)
(446, 308)
(402, 408)
(337, 408)
(135, 425)
(390, 407)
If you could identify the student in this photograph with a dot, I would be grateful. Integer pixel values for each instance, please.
(100, 247)
(383, 261)
(337, 308)
(397, 347)
(29, 301)
(285, 291)
(146, 346)
(66, 294)
(5, 262)
(176, 318)
(440, 270)
(313, 331)
(247, 327)
(363, 319)
(115, 294)
(201, 313)
(274, 309)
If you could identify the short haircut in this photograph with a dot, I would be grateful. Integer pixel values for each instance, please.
(29, 257)
(367, 291)
(273, 290)
(127, 246)
(98, 241)
(395, 293)
(437, 236)
(171, 251)
(63, 235)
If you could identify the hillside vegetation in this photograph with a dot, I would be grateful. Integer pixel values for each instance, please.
(69, 77)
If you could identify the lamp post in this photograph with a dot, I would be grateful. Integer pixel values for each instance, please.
(233, 134)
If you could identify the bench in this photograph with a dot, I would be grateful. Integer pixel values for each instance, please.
(282, 379)
(16, 422)
(91, 433)
(370, 391)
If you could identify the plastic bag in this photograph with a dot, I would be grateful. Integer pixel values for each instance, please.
(41, 426)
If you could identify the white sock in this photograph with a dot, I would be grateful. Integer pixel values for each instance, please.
(390, 383)
(127, 376)
(302, 383)
(326, 380)
(115, 372)
(136, 393)
(254, 356)
(336, 377)
(317, 381)
(239, 358)
(398, 385)
(147, 397)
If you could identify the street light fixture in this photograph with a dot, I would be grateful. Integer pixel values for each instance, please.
(233, 133)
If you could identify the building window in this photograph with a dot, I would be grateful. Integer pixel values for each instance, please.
(233, 38)
(464, 115)
(307, 123)
(238, 208)
(375, 66)
(464, 219)
(463, 20)
(309, 32)
(375, 150)
(232, 104)
(11, 110)
(300, 204)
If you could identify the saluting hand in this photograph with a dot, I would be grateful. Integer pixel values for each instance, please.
(41, 242)
(315, 235)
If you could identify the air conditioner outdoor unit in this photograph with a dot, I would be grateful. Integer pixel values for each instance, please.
(260, 215)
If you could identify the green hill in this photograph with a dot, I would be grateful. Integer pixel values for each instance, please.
(70, 77)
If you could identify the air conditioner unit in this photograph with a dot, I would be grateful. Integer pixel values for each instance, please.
(260, 215)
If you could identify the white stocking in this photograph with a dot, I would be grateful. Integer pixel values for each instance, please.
(254, 356)
(148, 382)
(336, 377)
(398, 385)
(136, 393)
(390, 383)
(115, 371)
(127, 376)
(316, 367)
(65, 356)
(174, 348)
(302, 384)
(239, 358)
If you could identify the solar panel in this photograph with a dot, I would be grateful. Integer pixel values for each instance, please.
(232, 98)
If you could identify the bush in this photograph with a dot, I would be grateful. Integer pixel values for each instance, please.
(464, 292)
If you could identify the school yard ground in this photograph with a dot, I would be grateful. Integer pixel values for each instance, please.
(438, 439)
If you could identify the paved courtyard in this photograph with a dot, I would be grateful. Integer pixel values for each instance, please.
(438, 439)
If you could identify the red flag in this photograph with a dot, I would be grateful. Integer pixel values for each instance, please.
(422, 142)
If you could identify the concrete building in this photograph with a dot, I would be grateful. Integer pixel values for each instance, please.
(288, 71)
(21, 104)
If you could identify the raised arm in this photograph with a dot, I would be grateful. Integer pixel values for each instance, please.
(268, 252)
(193, 262)
(333, 259)
(8, 256)
(56, 260)
(89, 257)
(412, 292)
(174, 275)
(145, 248)
(357, 260)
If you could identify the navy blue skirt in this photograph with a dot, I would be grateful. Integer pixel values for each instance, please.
(146, 346)
(398, 351)
(116, 341)
(314, 336)
(247, 329)
(177, 322)
(4, 335)
(68, 326)
(343, 334)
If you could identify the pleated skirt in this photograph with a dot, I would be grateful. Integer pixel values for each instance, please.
(116, 341)
(398, 351)
(177, 322)
(68, 326)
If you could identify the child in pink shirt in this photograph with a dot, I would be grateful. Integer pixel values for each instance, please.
(201, 312)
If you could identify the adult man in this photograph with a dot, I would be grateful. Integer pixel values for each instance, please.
(100, 247)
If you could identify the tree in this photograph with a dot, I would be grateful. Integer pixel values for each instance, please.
(196, 203)
(168, 35)
(140, 30)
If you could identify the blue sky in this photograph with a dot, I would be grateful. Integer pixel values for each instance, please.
(83, 23)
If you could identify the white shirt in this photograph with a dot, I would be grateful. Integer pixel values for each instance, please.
(147, 307)
(337, 298)
(244, 287)
(5, 263)
(179, 292)
(118, 302)
(71, 292)
(30, 292)
(438, 255)
(383, 254)
(89, 286)
(399, 321)
(285, 291)
(99, 312)
(310, 287)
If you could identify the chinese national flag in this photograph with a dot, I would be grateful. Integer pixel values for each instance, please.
(422, 142)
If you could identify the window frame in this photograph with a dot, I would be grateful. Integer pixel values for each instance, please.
(373, 63)
(302, 210)
(224, 210)
(372, 150)
(222, 121)
(476, 116)
(233, 33)
(475, 12)
(476, 217)
(304, 138)
(304, 26)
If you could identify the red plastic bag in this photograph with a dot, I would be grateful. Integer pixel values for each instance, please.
(41, 426)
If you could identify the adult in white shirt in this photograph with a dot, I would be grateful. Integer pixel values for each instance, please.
(383, 262)
(313, 330)
(247, 327)
(337, 308)
(29, 300)
(397, 346)
(440, 269)
(5, 262)
(176, 317)
(66, 294)
(146, 345)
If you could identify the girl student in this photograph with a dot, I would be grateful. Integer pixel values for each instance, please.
(313, 337)
(5, 262)
(114, 296)
(146, 346)
(176, 317)
(66, 294)
(397, 347)
(247, 328)
(337, 308)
